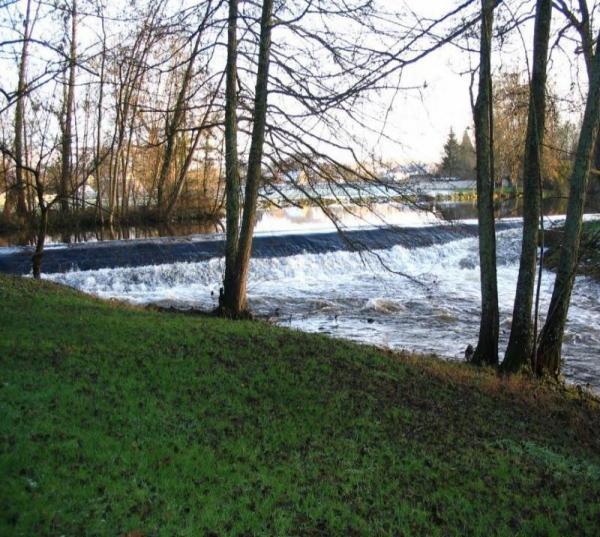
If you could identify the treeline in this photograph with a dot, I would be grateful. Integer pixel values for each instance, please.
(115, 109)
(510, 111)
(530, 347)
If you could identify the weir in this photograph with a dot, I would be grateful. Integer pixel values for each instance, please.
(420, 289)
(136, 253)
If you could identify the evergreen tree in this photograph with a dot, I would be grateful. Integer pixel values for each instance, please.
(458, 160)
(450, 165)
(467, 157)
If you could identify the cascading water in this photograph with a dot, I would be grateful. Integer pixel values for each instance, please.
(425, 299)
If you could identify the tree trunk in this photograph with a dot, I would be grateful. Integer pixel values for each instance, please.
(6, 186)
(520, 345)
(67, 134)
(126, 164)
(232, 170)
(206, 167)
(181, 178)
(487, 346)
(99, 204)
(21, 206)
(176, 120)
(36, 260)
(548, 359)
(253, 177)
(587, 46)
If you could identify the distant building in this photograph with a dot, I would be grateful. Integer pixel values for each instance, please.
(442, 186)
(402, 173)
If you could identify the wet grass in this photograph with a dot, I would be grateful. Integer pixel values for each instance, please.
(121, 421)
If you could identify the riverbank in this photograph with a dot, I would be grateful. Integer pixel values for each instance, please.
(90, 218)
(589, 264)
(84, 224)
(122, 421)
(470, 194)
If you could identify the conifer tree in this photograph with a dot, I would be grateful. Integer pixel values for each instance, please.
(450, 165)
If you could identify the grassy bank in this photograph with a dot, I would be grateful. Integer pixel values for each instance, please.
(589, 264)
(120, 421)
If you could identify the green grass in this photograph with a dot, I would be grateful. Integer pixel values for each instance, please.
(121, 421)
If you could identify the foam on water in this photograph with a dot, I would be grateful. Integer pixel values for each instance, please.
(427, 300)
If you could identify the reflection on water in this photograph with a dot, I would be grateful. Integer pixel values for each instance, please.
(176, 229)
(304, 219)
(311, 219)
(512, 207)
(271, 220)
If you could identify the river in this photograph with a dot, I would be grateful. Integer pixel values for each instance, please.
(415, 288)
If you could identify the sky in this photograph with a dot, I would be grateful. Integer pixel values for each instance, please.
(421, 121)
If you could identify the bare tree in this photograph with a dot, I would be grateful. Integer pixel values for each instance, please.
(521, 343)
(486, 351)
(234, 302)
(19, 188)
(67, 116)
(548, 358)
(100, 114)
(177, 115)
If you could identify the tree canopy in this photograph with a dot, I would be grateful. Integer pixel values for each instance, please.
(511, 105)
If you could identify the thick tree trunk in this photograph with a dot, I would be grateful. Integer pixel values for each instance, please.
(253, 177)
(232, 170)
(67, 134)
(520, 345)
(21, 206)
(487, 346)
(548, 359)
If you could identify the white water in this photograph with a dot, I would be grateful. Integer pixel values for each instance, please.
(352, 296)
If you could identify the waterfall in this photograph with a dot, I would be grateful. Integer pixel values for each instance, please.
(422, 295)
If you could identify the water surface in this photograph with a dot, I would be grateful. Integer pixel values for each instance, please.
(423, 298)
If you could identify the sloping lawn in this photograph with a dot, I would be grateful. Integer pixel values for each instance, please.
(121, 421)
